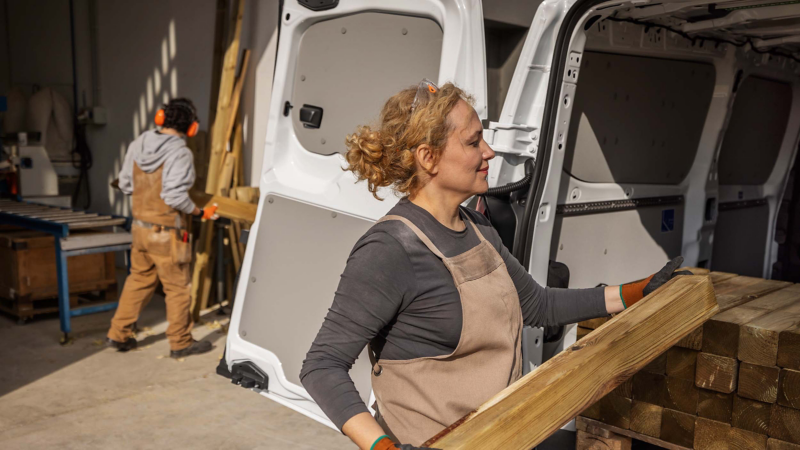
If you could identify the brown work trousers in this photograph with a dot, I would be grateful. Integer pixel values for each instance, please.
(152, 260)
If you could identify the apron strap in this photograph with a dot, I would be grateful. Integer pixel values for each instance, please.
(425, 240)
(474, 227)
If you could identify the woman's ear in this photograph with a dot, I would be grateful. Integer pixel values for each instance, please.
(425, 159)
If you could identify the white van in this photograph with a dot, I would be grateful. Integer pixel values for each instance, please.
(626, 132)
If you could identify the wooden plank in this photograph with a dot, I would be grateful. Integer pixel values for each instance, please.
(677, 427)
(715, 405)
(758, 339)
(739, 290)
(682, 363)
(237, 94)
(718, 277)
(775, 444)
(646, 419)
(649, 387)
(758, 382)
(785, 424)
(789, 388)
(681, 395)
(525, 413)
(751, 415)
(237, 261)
(582, 332)
(228, 208)
(615, 410)
(586, 441)
(694, 341)
(789, 348)
(712, 435)
(716, 373)
(721, 332)
(582, 421)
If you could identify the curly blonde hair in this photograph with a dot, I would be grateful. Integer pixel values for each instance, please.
(384, 156)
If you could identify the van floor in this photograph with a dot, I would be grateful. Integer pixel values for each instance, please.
(87, 396)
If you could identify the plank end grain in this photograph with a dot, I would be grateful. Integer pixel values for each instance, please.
(646, 419)
(682, 363)
(789, 388)
(677, 427)
(681, 395)
(588, 441)
(524, 414)
(751, 415)
(789, 349)
(775, 444)
(717, 373)
(785, 424)
(758, 382)
(715, 405)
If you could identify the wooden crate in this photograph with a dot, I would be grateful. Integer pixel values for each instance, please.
(28, 268)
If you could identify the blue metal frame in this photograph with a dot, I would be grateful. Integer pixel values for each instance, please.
(60, 231)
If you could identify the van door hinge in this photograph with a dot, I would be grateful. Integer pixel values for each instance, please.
(248, 375)
(512, 138)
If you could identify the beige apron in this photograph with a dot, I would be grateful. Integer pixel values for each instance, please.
(418, 398)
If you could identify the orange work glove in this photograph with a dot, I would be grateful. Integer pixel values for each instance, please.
(209, 212)
(633, 292)
(385, 443)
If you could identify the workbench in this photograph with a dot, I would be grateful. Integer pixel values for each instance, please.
(59, 222)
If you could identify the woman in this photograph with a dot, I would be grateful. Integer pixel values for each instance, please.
(431, 288)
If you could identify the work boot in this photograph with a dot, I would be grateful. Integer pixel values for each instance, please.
(129, 344)
(196, 348)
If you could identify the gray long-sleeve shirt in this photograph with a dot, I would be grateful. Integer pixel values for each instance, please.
(150, 151)
(398, 296)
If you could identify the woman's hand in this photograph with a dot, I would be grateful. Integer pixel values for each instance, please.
(364, 430)
(622, 297)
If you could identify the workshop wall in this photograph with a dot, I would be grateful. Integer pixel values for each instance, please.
(5, 67)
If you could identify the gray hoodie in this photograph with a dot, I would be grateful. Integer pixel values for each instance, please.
(150, 151)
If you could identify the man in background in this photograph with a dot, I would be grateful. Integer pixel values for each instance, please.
(157, 173)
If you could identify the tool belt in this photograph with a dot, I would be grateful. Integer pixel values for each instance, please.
(154, 226)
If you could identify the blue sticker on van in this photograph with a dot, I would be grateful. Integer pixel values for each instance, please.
(667, 220)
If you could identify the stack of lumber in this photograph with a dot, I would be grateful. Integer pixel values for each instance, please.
(732, 383)
(529, 410)
(223, 174)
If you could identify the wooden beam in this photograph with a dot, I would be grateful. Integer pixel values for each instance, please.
(658, 365)
(716, 373)
(721, 332)
(582, 421)
(758, 382)
(785, 424)
(751, 415)
(649, 387)
(228, 208)
(681, 395)
(739, 290)
(789, 348)
(682, 363)
(694, 341)
(677, 427)
(775, 444)
(789, 389)
(646, 419)
(625, 389)
(715, 405)
(525, 413)
(712, 435)
(758, 339)
(586, 441)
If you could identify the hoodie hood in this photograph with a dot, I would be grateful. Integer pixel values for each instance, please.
(153, 148)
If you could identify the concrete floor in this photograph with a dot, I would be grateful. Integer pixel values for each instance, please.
(86, 396)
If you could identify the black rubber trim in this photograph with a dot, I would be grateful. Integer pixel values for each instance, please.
(742, 204)
(580, 209)
(524, 238)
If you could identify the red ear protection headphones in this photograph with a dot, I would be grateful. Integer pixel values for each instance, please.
(191, 132)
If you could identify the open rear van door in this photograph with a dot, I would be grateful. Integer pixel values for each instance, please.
(337, 63)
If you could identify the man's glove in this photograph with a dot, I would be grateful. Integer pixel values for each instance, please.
(633, 292)
(385, 443)
(209, 212)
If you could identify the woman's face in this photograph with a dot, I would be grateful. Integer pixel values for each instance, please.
(464, 163)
